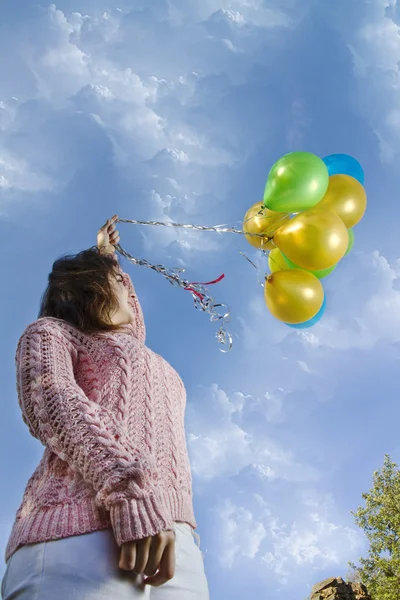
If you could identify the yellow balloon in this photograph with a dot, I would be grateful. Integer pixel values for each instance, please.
(293, 296)
(276, 261)
(262, 221)
(346, 197)
(315, 239)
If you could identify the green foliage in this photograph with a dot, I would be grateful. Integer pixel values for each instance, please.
(380, 520)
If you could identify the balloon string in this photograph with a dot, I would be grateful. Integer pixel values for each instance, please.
(264, 275)
(216, 228)
(257, 269)
(198, 290)
(202, 299)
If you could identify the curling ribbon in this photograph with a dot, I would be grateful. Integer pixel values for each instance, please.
(201, 296)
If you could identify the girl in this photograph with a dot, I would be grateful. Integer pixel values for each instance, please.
(108, 512)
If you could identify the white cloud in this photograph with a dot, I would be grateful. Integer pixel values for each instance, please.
(225, 439)
(76, 75)
(365, 307)
(373, 38)
(58, 64)
(262, 540)
(17, 175)
(236, 12)
(240, 534)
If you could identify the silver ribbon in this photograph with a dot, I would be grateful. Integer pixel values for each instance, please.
(202, 299)
(216, 228)
(259, 272)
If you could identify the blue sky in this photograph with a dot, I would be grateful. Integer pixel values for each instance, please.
(176, 110)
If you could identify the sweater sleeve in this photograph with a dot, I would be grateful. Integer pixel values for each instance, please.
(61, 416)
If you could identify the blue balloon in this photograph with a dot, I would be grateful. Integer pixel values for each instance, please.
(312, 321)
(343, 164)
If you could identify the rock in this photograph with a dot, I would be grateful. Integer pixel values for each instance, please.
(318, 587)
(359, 588)
(335, 588)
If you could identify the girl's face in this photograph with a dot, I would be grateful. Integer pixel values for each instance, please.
(124, 314)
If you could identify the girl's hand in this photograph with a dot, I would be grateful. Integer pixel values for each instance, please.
(153, 556)
(108, 236)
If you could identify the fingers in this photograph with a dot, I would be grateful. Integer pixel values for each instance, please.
(108, 236)
(150, 555)
(127, 557)
(142, 555)
(113, 233)
(155, 556)
(135, 555)
(112, 220)
(166, 569)
(109, 223)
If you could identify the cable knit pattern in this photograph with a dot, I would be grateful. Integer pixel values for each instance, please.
(110, 414)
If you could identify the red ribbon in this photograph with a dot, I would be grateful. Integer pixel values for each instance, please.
(201, 296)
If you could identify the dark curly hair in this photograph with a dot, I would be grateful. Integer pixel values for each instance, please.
(79, 291)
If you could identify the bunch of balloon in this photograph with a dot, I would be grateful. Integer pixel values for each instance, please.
(306, 222)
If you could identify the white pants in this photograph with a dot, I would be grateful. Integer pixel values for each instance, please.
(85, 567)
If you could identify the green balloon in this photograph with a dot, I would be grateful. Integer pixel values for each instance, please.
(351, 241)
(297, 181)
(320, 274)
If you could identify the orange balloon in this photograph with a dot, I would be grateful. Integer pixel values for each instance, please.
(346, 197)
(261, 220)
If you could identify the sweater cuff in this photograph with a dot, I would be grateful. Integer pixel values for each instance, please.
(136, 519)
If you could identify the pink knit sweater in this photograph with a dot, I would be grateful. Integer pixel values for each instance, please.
(110, 413)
